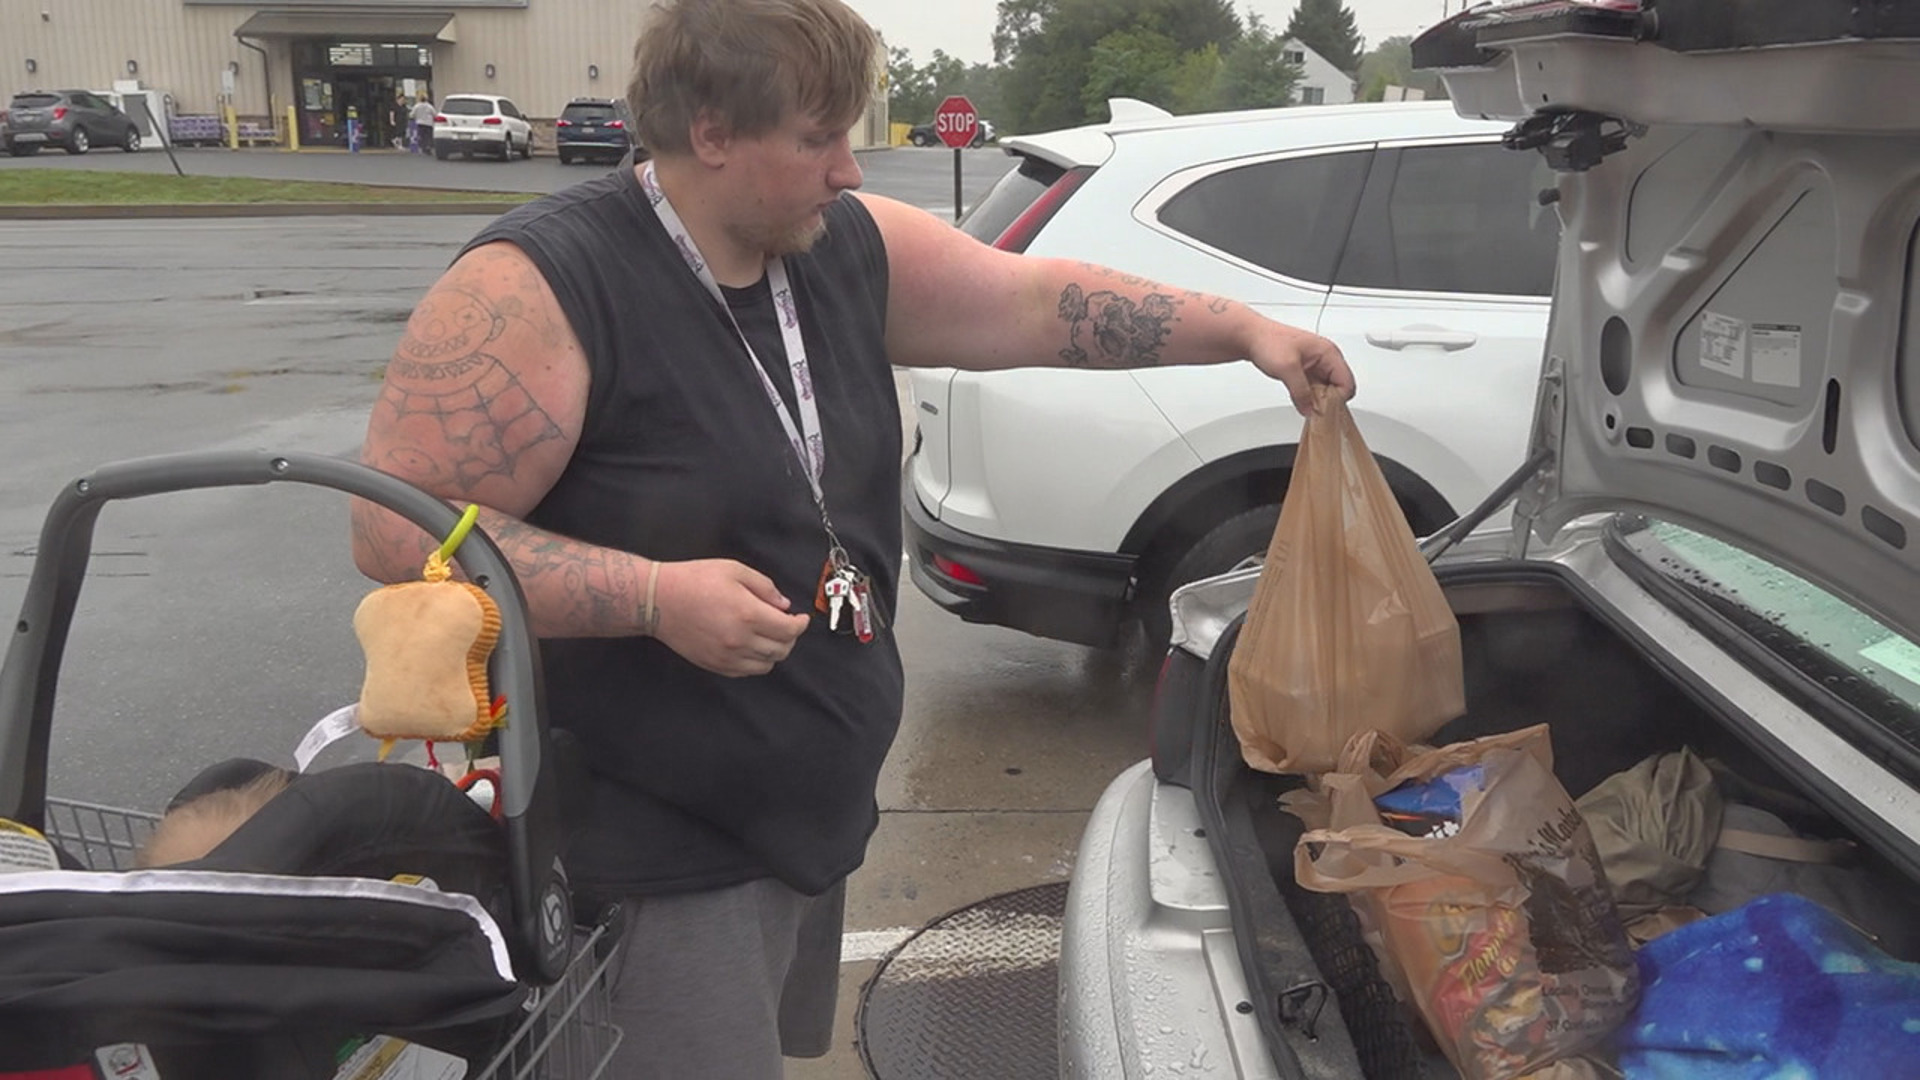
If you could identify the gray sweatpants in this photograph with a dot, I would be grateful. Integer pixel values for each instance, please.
(724, 983)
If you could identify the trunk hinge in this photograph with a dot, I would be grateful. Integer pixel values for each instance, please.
(1532, 482)
(1549, 431)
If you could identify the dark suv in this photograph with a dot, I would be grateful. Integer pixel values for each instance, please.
(73, 120)
(593, 128)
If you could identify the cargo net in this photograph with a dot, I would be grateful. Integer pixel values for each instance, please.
(1376, 1021)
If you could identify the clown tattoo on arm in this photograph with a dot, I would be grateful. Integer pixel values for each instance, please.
(1121, 327)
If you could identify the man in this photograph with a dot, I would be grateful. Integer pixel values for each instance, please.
(423, 114)
(398, 116)
(669, 389)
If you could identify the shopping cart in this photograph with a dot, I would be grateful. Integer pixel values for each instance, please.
(565, 1031)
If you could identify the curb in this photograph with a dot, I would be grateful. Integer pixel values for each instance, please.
(56, 212)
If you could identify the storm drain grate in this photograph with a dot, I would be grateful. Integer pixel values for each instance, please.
(971, 995)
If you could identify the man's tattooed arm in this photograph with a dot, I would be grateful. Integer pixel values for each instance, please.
(483, 403)
(1124, 321)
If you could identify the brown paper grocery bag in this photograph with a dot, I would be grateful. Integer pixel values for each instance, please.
(1348, 630)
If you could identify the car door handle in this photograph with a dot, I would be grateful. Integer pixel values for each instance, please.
(1412, 337)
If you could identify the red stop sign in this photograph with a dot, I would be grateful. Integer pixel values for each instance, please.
(956, 122)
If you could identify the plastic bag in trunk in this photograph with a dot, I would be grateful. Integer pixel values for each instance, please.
(1348, 631)
(1496, 917)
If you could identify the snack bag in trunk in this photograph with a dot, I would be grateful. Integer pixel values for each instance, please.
(1348, 631)
(1480, 884)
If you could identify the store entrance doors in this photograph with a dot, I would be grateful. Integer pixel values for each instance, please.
(373, 84)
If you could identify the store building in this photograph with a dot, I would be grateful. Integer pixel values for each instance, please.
(322, 58)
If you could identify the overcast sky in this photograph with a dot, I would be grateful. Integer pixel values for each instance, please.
(964, 28)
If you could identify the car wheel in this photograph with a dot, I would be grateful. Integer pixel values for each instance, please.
(1239, 538)
(78, 142)
(131, 143)
(23, 149)
(526, 149)
(440, 152)
(566, 158)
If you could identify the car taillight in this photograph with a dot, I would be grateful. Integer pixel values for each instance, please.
(1028, 225)
(616, 123)
(563, 123)
(439, 119)
(492, 120)
(59, 112)
(957, 571)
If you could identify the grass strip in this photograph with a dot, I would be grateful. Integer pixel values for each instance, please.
(86, 187)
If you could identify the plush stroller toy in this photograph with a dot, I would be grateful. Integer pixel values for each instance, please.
(426, 644)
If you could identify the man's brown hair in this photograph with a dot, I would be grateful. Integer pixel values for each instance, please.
(748, 62)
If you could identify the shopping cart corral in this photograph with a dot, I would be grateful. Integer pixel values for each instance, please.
(223, 968)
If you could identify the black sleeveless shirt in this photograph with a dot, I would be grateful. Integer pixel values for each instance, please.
(702, 781)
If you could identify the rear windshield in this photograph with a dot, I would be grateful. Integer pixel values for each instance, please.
(1853, 656)
(589, 112)
(467, 107)
(34, 101)
(1010, 198)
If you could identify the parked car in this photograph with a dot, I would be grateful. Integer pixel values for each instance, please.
(74, 120)
(590, 128)
(1715, 548)
(924, 135)
(1070, 503)
(471, 123)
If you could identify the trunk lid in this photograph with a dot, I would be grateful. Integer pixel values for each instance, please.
(1730, 341)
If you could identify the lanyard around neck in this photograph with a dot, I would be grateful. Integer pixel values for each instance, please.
(804, 438)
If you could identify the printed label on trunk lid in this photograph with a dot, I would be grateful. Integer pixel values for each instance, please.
(1723, 345)
(1775, 352)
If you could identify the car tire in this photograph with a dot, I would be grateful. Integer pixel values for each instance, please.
(79, 142)
(23, 149)
(920, 140)
(526, 149)
(441, 153)
(131, 144)
(566, 158)
(1221, 548)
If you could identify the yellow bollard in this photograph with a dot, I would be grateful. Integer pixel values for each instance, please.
(233, 128)
(293, 129)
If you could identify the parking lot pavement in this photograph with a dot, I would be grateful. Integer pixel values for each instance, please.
(919, 176)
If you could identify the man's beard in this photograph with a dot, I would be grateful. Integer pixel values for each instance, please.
(795, 240)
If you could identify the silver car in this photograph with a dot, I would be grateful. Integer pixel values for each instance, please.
(74, 120)
(1716, 540)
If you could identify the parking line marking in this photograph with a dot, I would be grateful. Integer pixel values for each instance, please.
(860, 946)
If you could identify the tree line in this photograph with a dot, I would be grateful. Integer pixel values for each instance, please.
(1057, 62)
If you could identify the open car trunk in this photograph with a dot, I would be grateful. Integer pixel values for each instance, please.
(1536, 650)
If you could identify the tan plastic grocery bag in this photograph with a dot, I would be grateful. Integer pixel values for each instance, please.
(1500, 927)
(1348, 630)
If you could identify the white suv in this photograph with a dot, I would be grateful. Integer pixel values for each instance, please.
(467, 123)
(1065, 503)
